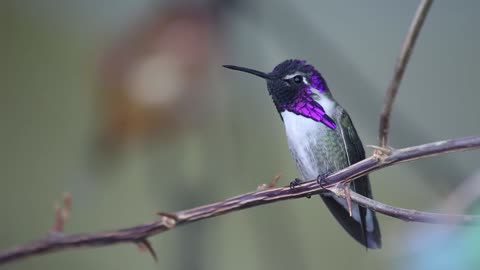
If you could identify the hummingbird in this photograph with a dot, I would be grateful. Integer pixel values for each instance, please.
(322, 140)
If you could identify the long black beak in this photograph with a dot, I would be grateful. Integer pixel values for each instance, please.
(251, 71)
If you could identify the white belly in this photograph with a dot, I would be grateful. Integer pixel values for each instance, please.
(302, 136)
(303, 140)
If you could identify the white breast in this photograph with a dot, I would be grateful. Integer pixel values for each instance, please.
(303, 134)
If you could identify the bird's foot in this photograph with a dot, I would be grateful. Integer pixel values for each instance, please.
(295, 183)
(321, 179)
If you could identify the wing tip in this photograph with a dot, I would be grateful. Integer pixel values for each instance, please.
(369, 238)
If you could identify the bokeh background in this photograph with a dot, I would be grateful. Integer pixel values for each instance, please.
(124, 104)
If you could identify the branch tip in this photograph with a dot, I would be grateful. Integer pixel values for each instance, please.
(399, 70)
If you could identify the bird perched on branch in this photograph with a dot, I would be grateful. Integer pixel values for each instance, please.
(322, 140)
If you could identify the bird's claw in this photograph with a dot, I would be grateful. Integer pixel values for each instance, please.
(321, 179)
(295, 183)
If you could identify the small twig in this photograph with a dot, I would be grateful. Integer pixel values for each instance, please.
(400, 67)
(139, 233)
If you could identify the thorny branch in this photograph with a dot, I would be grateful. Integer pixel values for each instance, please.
(382, 157)
(400, 67)
(140, 233)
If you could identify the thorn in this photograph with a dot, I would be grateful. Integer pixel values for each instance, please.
(381, 152)
(346, 190)
(169, 219)
(343, 190)
(270, 184)
(145, 245)
(62, 213)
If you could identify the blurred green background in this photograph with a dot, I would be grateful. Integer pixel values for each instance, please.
(124, 104)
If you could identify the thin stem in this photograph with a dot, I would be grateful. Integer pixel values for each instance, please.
(408, 214)
(400, 67)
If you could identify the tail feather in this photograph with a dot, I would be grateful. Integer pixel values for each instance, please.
(363, 224)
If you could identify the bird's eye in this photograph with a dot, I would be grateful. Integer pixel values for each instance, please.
(298, 79)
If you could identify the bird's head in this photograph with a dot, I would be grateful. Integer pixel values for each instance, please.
(293, 85)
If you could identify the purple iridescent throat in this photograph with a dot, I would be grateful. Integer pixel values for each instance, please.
(306, 106)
